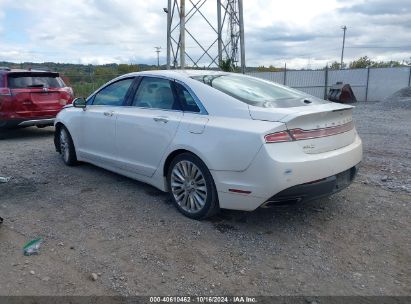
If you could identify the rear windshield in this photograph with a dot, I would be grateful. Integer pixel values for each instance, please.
(33, 80)
(254, 91)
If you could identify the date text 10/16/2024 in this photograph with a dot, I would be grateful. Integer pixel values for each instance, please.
(199, 299)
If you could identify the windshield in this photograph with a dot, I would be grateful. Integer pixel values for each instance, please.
(254, 91)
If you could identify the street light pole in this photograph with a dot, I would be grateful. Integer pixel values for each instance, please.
(344, 28)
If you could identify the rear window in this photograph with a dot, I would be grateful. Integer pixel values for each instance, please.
(254, 91)
(33, 80)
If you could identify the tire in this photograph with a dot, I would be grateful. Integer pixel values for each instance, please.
(195, 197)
(67, 150)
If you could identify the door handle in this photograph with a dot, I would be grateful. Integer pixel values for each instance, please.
(108, 114)
(161, 119)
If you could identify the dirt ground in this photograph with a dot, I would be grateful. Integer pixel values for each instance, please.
(356, 242)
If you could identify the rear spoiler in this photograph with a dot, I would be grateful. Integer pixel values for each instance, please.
(33, 73)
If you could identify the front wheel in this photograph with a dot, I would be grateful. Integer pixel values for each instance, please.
(192, 187)
(67, 151)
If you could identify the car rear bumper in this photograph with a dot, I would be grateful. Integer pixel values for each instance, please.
(281, 171)
(313, 190)
(19, 123)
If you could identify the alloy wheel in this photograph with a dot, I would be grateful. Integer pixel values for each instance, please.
(188, 186)
(64, 145)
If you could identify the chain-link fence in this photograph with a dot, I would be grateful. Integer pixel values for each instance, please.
(370, 84)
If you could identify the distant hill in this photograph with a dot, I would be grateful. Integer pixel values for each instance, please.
(64, 67)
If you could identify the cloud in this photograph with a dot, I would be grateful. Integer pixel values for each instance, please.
(380, 36)
(301, 33)
(379, 7)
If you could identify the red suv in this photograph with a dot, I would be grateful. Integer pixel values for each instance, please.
(31, 97)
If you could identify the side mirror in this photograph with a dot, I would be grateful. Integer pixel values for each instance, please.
(79, 102)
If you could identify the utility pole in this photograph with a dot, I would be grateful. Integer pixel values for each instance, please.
(344, 28)
(241, 24)
(219, 36)
(182, 34)
(158, 50)
(167, 10)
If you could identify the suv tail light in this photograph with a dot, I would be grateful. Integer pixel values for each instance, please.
(63, 101)
(5, 92)
(300, 134)
(69, 90)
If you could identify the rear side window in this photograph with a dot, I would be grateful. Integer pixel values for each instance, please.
(1, 81)
(186, 99)
(32, 80)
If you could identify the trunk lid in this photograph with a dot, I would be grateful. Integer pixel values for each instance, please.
(33, 103)
(329, 124)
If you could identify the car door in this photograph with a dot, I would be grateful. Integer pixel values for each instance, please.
(98, 120)
(147, 126)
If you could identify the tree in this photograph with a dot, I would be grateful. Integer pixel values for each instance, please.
(386, 64)
(362, 62)
(271, 68)
(365, 62)
(226, 65)
(127, 68)
(335, 66)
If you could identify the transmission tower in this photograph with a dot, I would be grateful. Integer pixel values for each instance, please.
(225, 36)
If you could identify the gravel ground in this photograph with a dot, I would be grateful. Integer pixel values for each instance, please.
(132, 239)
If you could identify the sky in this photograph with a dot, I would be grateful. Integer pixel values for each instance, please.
(303, 34)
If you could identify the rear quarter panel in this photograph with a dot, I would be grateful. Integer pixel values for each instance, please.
(228, 144)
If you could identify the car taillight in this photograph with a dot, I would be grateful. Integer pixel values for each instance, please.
(66, 95)
(69, 90)
(277, 137)
(5, 92)
(300, 134)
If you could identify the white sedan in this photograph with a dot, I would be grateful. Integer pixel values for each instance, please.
(213, 139)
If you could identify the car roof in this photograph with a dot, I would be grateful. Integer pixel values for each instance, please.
(177, 74)
(191, 73)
